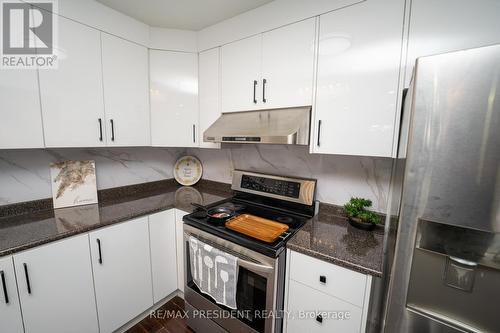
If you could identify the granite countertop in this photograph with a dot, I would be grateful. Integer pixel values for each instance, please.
(329, 237)
(31, 224)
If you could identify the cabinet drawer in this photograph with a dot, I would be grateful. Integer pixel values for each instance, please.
(305, 304)
(328, 278)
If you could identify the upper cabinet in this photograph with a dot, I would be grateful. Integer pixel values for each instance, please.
(209, 92)
(20, 114)
(449, 25)
(357, 79)
(126, 92)
(269, 70)
(72, 94)
(240, 74)
(174, 98)
(288, 65)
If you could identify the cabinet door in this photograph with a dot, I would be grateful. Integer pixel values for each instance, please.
(357, 79)
(241, 66)
(21, 124)
(56, 288)
(305, 304)
(174, 98)
(10, 312)
(179, 231)
(209, 92)
(122, 272)
(126, 92)
(72, 95)
(163, 253)
(288, 65)
(450, 25)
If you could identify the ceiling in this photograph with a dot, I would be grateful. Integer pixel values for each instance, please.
(182, 14)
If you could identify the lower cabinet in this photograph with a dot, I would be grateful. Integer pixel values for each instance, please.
(10, 312)
(179, 214)
(122, 272)
(323, 297)
(55, 287)
(163, 253)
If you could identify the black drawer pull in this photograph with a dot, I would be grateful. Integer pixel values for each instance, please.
(100, 129)
(319, 319)
(264, 81)
(99, 248)
(28, 284)
(319, 131)
(112, 130)
(4, 286)
(322, 279)
(254, 88)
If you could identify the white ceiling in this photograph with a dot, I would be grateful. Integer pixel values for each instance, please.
(182, 14)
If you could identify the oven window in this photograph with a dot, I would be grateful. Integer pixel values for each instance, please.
(250, 297)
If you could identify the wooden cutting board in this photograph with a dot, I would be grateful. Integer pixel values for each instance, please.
(257, 227)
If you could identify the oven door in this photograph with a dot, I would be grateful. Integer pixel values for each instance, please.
(255, 293)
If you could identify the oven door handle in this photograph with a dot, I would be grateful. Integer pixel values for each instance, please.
(258, 268)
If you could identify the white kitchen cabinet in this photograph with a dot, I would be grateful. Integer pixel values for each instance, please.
(288, 65)
(126, 92)
(72, 94)
(10, 311)
(56, 288)
(163, 253)
(209, 92)
(20, 113)
(174, 98)
(450, 25)
(122, 272)
(318, 311)
(357, 79)
(179, 238)
(241, 63)
(327, 290)
(270, 70)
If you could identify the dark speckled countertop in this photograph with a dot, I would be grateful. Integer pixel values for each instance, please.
(329, 237)
(26, 225)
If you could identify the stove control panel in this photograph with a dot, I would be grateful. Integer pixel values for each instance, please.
(269, 185)
(299, 190)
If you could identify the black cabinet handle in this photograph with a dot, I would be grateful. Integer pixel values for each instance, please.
(322, 279)
(254, 88)
(99, 248)
(112, 130)
(319, 131)
(28, 285)
(264, 81)
(4, 286)
(319, 319)
(194, 133)
(100, 129)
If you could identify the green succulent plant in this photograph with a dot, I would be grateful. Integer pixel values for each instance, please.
(355, 208)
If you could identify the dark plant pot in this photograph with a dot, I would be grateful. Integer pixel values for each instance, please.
(357, 223)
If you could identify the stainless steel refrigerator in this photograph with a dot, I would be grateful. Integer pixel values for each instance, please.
(445, 275)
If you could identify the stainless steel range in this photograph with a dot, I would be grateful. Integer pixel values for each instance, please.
(260, 265)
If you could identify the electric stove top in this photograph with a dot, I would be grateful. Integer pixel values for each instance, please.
(282, 199)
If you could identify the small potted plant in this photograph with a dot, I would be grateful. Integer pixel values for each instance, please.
(358, 216)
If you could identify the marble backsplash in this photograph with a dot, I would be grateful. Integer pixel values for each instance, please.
(24, 174)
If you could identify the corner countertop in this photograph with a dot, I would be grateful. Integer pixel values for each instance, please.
(27, 225)
(329, 237)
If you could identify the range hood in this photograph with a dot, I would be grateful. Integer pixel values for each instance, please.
(275, 126)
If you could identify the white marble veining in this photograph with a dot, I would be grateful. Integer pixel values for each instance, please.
(24, 174)
(339, 177)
